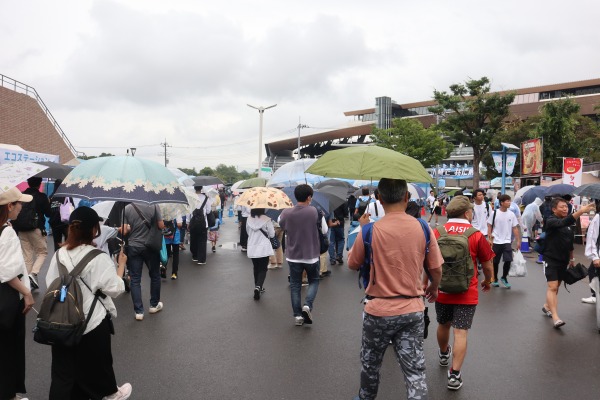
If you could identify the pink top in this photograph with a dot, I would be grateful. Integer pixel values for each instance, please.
(398, 256)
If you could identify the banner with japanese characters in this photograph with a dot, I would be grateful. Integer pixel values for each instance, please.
(572, 171)
(8, 155)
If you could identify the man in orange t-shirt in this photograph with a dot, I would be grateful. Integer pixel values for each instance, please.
(395, 309)
(457, 310)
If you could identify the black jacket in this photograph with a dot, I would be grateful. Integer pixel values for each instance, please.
(42, 206)
(559, 240)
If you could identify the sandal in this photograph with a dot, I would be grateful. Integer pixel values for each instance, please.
(558, 323)
(546, 312)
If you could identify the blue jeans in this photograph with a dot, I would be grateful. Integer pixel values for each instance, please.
(136, 257)
(312, 272)
(336, 243)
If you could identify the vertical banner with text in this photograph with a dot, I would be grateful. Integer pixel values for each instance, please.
(572, 171)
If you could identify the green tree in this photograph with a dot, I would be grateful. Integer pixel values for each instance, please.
(557, 128)
(207, 171)
(473, 116)
(409, 137)
(587, 134)
(189, 171)
(92, 157)
(227, 174)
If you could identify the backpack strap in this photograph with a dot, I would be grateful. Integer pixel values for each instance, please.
(470, 231)
(426, 232)
(366, 233)
(142, 216)
(84, 261)
(493, 222)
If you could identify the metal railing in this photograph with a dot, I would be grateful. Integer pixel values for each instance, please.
(20, 87)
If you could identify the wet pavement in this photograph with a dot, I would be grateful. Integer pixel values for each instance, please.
(213, 341)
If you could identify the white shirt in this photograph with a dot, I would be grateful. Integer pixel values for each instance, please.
(258, 244)
(503, 225)
(100, 274)
(430, 201)
(201, 196)
(371, 210)
(480, 217)
(106, 233)
(12, 263)
(591, 250)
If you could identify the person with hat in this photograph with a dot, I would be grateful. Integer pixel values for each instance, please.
(456, 310)
(14, 281)
(86, 370)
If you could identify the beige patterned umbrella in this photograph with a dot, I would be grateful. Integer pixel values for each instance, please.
(262, 197)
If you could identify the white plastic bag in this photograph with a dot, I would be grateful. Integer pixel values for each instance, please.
(518, 267)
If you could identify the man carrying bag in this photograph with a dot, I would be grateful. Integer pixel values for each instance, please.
(143, 248)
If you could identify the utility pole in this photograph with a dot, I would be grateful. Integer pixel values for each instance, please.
(300, 126)
(165, 145)
(261, 111)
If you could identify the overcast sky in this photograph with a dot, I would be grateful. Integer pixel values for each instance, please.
(119, 74)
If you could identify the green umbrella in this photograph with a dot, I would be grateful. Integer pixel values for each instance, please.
(369, 162)
(253, 182)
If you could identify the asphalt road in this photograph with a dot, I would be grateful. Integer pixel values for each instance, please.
(213, 341)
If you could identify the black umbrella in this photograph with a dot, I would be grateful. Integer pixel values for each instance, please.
(204, 180)
(335, 182)
(371, 188)
(591, 190)
(335, 194)
(531, 194)
(560, 189)
(54, 170)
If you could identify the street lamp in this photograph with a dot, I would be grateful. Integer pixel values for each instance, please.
(261, 111)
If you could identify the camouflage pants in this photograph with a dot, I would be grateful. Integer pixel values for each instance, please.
(406, 333)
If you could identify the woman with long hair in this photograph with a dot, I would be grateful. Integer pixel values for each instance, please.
(86, 371)
(13, 277)
(259, 228)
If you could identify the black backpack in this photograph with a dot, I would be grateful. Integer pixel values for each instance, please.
(27, 220)
(362, 206)
(169, 229)
(62, 320)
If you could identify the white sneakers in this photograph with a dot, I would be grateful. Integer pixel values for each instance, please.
(589, 300)
(299, 321)
(139, 317)
(157, 308)
(122, 394)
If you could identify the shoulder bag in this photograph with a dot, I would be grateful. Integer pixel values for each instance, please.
(274, 241)
(154, 238)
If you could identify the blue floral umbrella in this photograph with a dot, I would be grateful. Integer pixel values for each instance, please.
(122, 178)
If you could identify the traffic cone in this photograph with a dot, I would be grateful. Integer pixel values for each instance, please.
(525, 242)
(422, 211)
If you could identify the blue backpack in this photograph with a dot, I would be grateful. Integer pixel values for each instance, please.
(364, 272)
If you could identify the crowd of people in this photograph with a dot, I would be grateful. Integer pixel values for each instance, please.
(407, 266)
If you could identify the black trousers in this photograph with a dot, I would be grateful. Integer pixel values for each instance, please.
(12, 354)
(244, 233)
(198, 239)
(173, 250)
(58, 232)
(86, 371)
(260, 270)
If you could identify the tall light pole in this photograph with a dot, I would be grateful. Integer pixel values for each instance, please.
(261, 111)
